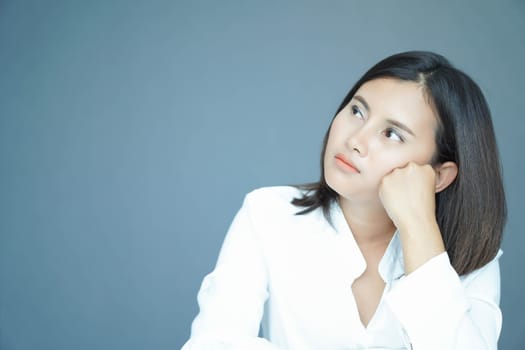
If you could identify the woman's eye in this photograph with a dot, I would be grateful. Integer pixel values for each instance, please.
(356, 112)
(393, 134)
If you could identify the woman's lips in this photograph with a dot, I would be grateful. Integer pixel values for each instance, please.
(344, 163)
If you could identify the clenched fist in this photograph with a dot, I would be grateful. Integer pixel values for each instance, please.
(408, 194)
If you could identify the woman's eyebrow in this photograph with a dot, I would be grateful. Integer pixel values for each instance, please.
(363, 102)
(393, 122)
(400, 125)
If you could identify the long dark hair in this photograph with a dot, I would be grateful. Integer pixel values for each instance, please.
(471, 212)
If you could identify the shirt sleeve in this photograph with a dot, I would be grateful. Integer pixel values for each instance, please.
(231, 298)
(440, 310)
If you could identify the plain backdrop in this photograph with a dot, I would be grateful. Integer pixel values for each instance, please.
(130, 132)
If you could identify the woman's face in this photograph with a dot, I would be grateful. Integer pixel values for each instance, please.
(387, 123)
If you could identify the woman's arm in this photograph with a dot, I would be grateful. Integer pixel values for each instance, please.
(441, 311)
(437, 308)
(408, 196)
(231, 298)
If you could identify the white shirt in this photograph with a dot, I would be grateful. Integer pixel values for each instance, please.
(294, 274)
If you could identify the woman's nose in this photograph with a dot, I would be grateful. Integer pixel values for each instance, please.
(358, 141)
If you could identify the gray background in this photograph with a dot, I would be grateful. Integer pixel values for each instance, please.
(130, 132)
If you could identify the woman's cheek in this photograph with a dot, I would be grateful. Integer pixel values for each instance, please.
(389, 164)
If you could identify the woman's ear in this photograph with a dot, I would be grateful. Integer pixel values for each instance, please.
(446, 173)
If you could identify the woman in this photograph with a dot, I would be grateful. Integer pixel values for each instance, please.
(396, 246)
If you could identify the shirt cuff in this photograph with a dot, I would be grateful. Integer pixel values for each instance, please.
(430, 301)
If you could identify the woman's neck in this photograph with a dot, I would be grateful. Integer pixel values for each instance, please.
(368, 222)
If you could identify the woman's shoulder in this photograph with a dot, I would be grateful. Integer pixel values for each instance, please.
(271, 210)
(275, 194)
(273, 200)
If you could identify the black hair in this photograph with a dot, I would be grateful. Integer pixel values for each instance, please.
(471, 212)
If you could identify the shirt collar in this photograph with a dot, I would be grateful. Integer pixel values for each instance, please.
(391, 266)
